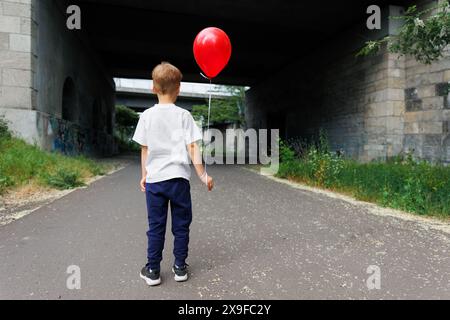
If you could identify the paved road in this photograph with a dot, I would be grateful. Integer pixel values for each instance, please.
(251, 238)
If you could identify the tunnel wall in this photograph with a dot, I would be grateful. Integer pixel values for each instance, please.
(358, 103)
(70, 103)
(370, 108)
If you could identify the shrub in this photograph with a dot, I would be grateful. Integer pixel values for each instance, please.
(318, 164)
(286, 153)
(4, 182)
(4, 131)
(63, 178)
(126, 121)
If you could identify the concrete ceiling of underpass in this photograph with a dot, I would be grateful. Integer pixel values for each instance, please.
(131, 36)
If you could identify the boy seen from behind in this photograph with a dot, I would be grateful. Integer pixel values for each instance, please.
(168, 136)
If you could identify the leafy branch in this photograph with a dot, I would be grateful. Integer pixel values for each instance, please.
(423, 38)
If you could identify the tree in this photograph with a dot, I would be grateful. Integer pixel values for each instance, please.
(425, 38)
(126, 121)
(229, 110)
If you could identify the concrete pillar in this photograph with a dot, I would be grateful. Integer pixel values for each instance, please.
(384, 107)
(17, 66)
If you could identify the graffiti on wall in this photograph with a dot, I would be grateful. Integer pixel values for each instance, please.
(68, 137)
(72, 139)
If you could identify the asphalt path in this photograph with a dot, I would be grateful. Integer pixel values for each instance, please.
(251, 238)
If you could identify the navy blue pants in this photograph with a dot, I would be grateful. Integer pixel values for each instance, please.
(177, 192)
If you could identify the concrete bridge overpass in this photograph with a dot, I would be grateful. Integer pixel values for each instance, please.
(138, 96)
(298, 57)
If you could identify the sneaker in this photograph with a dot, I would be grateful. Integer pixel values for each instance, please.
(181, 273)
(150, 276)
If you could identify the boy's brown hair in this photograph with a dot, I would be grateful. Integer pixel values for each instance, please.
(166, 78)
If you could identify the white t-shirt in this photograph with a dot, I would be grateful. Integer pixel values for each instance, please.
(166, 130)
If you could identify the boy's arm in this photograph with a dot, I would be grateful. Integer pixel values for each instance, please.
(196, 158)
(140, 136)
(144, 155)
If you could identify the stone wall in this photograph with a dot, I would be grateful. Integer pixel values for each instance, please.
(17, 53)
(427, 114)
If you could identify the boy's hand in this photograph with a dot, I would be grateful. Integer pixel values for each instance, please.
(142, 184)
(207, 180)
(210, 183)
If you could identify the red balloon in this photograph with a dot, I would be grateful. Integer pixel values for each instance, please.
(212, 51)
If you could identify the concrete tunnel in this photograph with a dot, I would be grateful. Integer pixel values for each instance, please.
(298, 57)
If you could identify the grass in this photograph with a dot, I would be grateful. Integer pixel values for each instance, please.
(401, 183)
(22, 164)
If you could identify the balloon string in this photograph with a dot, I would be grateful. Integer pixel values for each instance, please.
(207, 127)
